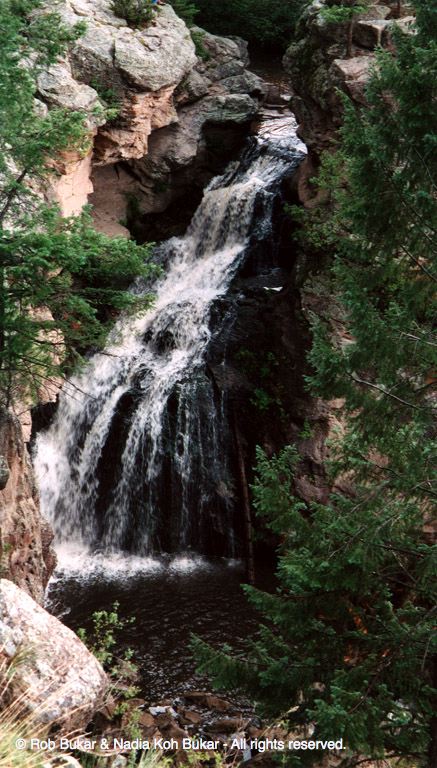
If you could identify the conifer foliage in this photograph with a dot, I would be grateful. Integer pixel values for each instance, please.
(348, 641)
(56, 275)
(269, 24)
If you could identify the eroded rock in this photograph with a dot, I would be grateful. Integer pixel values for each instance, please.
(25, 538)
(156, 83)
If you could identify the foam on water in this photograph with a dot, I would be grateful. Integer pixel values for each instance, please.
(74, 561)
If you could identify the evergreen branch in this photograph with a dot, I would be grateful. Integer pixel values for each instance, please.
(384, 392)
(11, 195)
(419, 264)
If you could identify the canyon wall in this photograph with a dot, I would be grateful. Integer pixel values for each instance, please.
(149, 101)
(322, 65)
(25, 538)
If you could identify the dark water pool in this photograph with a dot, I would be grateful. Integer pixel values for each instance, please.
(169, 600)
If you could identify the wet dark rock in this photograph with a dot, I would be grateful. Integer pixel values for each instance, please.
(209, 701)
(225, 725)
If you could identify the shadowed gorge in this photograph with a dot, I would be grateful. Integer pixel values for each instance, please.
(217, 383)
(147, 407)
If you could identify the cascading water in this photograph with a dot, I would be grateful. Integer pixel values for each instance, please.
(137, 458)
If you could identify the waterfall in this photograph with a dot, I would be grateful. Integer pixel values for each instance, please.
(137, 459)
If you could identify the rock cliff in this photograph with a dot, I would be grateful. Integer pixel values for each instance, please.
(321, 65)
(163, 96)
(26, 556)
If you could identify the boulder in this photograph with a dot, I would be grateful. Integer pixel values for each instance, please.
(369, 32)
(352, 75)
(223, 56)
(56, 679)
(192, 88)
(112, 54)
(230, 108)
(246, 82)
(58, 88)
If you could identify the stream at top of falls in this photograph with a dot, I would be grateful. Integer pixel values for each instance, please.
(135, 472)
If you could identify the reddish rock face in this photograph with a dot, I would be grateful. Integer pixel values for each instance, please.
(140, 114)
(25, 538)
(153, 80)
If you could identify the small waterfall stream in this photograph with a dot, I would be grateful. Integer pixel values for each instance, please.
(137, 458)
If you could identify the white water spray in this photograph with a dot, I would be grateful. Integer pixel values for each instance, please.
(112, 499)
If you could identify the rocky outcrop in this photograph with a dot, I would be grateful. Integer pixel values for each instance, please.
(26, 555)
(212, 106)
(322, 64)
(320, 67)
(218, 91)
(56, 680)
(162, 96)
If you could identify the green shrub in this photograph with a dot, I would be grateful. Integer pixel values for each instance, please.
(137, 13)
(102, 638)
(270, 25)
(197, 37)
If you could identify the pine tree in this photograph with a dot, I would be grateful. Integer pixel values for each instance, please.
(59, 279)
(269, 24)
(349, 637)
(345, 11)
